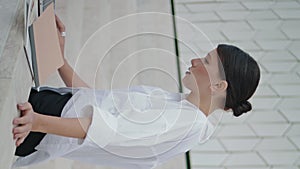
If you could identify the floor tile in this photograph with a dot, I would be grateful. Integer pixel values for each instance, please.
(258, 5)
(270, 35)
(270, 24)
(293, 130)
(286, 167)
(199, 17)
(247, 45)
(292, 115)
(290, 24)
(208, 159)
(236, 131)
(235, 25)
(208, 26)
(277, 67)
(266, 117)
(211, 145)
(285, 78)
(229, 118)
(295, 140)
(215, 6)
(239, 144)
(286, 5)
(261, 15)
(264, 78)
(238, 35)
(278, 56)
(280, 157)
(287, 90)
(292, 33)
(265, 90)
(275, 144)
(291, 103)
(269, 129)
(244, 159)
(288, 13)
(294, 48)
(233, 15)
(264, 103)
(180, 8)
(273, 45)
(195, 167)
(242, 167)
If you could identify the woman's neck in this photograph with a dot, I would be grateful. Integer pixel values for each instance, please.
(202, 103)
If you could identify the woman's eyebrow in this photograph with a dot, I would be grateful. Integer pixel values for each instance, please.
(209, 56)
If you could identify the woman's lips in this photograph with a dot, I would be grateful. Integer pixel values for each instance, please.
(188, 71)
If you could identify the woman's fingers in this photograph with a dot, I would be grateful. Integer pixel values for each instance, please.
(24, 106)
(23, 123)
(61, 33)
(20, 141)
(59, 24)
(17, 136)
(26, 110)
(22, 129)
(26, 118)
(20, 137)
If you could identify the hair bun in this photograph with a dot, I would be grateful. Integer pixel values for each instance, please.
(241, 108)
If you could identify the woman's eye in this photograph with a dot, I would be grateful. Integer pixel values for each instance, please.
(205, 60)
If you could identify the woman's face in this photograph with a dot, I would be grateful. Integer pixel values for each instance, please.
(203, 73)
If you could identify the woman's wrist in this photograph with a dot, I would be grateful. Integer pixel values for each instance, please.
(36, 122)
(65, 62)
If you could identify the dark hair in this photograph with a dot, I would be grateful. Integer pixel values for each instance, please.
(242, 75)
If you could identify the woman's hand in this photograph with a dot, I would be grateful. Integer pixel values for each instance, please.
(60, 29)
(70, 78)
(24, 124)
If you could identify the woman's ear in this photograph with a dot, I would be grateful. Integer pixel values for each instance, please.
(221, 86)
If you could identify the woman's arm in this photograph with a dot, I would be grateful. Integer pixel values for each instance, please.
(70, 78)
(32, 121)
(68, 127)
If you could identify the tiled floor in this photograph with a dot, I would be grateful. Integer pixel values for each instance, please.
(269, 136)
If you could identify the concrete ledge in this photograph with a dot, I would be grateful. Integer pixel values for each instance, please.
(15, 84)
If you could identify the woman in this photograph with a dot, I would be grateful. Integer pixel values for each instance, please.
(139, 127)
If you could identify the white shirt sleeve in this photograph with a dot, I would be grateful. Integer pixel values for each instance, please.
(103, 126)
(153, 132)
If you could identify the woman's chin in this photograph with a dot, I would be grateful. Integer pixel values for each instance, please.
(184, 80)
(185, 84)
(186, 75)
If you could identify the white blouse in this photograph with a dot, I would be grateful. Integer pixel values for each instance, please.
(135, 128)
